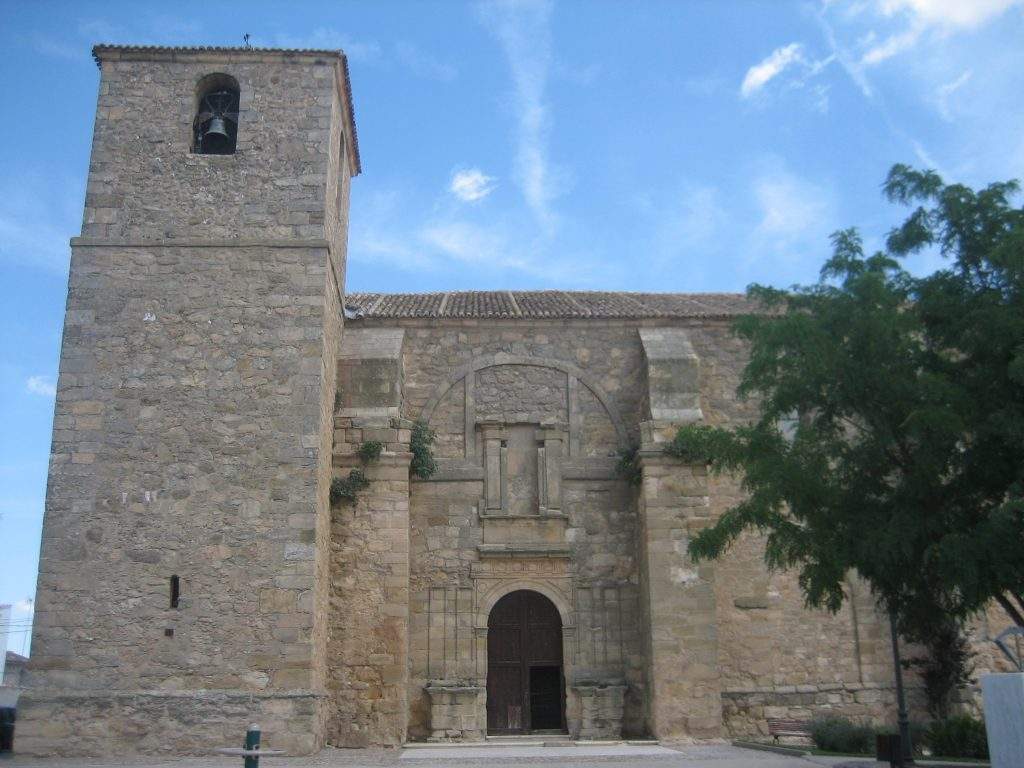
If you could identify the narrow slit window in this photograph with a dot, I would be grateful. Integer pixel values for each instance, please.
(175, 591)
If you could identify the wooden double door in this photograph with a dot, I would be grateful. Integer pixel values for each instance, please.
(525, 678)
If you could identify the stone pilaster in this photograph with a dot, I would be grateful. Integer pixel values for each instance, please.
(678, 598)
(369, 644)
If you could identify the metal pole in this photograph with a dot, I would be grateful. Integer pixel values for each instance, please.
(252, 741)
(906, 748)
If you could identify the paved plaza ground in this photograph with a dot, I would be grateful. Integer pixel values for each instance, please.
(628, 756)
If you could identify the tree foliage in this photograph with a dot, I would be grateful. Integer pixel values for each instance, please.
(906, 463)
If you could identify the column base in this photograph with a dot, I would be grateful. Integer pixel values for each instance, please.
(455, 711)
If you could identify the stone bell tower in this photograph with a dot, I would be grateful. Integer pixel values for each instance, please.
(182, 583)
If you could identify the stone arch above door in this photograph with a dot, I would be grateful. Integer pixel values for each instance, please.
(490, 596)
(575, 377)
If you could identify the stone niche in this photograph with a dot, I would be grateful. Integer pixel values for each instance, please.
(456, 711)
(521, 511)
(522, 469)
(600, 706)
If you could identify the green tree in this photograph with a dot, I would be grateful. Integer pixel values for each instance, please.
(901, 400)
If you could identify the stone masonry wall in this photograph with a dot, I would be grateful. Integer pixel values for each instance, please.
(145, 183)
(448, 575)
(192, 429)
(185, 443)
(767, 643)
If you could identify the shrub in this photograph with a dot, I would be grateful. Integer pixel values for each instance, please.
(958, 736)
(918, 734)
(348, 488)
(369, 451)
(420, 443)
(838, 734)
(628, 467)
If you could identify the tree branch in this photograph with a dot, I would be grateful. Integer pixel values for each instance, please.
(1011, 610)
(1019, 599)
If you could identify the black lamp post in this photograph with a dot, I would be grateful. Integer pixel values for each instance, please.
(906, 748)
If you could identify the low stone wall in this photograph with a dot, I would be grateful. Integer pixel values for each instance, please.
(745, 712)
(164, 722)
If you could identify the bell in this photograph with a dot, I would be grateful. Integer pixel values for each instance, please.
(215, 137)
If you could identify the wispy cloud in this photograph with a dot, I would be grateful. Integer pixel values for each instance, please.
(695, 218)
(394, 228)
(759, 75)
(801, 69)
(944, 94)
(927, 38)
(524, 32)
(471, 244)
(40, 385)
(794, 216)
(892, 45)
(471, 184)
(689, 226)
(789, 207)
(380, 233)
(951, 14)
(925, 157)
(921, 17)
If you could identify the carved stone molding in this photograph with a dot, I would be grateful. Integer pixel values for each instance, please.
(574, 374)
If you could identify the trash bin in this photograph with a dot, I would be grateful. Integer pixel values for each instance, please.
(6, 729)
(888, 749)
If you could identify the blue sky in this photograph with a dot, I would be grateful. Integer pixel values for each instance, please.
(676, 146)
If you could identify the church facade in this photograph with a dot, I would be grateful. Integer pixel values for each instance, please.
(216, 379)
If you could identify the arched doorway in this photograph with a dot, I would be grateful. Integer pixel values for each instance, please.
(525, 680)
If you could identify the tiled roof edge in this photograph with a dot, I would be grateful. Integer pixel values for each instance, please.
(100, 48)
(581, 305)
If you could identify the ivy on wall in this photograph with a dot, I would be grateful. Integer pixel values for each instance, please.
(346, 489)
(421, 444)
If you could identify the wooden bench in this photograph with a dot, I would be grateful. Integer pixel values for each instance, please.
(778, 726)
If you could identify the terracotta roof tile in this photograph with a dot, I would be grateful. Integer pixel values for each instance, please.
(549, 304)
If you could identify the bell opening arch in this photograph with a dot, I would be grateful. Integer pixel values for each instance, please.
(215, 126)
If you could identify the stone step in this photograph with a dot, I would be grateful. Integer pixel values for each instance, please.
(530, 740)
